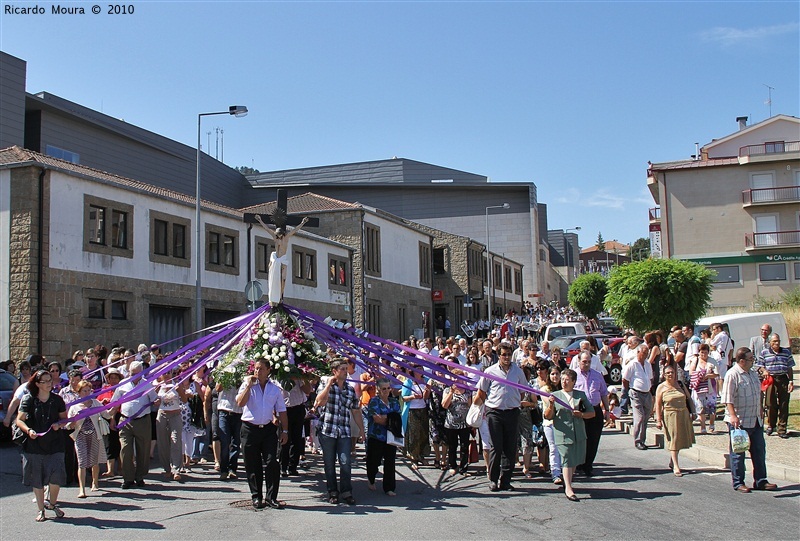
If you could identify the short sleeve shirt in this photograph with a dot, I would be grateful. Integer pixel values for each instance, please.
(40, 417)
(500, 395)
(334, 416)
(743, 390)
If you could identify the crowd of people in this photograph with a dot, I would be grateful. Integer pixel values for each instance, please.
(539, 411)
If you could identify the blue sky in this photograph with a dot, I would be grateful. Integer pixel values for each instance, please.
(574, 96)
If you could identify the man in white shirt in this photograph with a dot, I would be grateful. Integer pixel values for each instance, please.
(262, 401)
(520, 353)
(136, 435)
(596, 364)
(637, 377)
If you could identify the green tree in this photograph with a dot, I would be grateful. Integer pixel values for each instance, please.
(601, 244)
(658, 293)
(587, 293)
(243, 169)
(640, 249)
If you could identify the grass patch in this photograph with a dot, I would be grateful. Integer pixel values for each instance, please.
(794, 415)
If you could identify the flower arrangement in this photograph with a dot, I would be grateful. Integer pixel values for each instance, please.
(292, 351)
(232, 368)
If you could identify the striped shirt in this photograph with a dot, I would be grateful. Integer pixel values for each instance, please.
(775, 363)
(743, 390)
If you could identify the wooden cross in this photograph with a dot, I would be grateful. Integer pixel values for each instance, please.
(280, 217)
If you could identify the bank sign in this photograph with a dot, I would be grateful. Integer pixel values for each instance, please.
(738, 260)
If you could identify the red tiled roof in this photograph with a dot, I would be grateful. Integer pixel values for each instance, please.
(304, 204)
(16, 155)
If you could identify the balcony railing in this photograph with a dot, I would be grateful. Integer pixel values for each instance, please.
(785, 194)
(655, 214)
(776, 239)
(777, 147)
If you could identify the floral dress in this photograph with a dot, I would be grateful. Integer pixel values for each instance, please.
(438, 415)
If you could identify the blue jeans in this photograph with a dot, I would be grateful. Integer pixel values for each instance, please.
(333, 449)
(230, 426)
(758, 452)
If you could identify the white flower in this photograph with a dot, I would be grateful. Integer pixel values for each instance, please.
(279, 335)
(294, 345)
(282, 354)
(257, 355)
(276, 359)
(285, 362)
(283, 348)
(298, 353)
(275, 351)
(286, 369)
(266, 347)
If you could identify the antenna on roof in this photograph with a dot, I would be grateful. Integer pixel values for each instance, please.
(769, 99)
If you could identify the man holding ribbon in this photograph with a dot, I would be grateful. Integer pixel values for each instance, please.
(136, 435)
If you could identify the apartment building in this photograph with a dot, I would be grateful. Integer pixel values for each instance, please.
(734, 208)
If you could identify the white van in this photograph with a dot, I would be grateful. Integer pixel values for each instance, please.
(563, 329)
(742, 327)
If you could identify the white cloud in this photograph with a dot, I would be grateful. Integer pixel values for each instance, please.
(728, 36)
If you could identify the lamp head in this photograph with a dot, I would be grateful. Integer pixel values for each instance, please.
(506, 206)
(237, 110)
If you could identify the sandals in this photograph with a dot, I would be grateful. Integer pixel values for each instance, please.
(54, 508)
(40, 517)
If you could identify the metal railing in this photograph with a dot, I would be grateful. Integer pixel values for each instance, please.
(776, 147)
(774, 239)
(655, 214)
(785, 194)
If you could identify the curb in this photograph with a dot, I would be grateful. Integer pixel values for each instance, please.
(708, 455)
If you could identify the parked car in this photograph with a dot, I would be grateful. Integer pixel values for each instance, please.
(609, 326)
(614, 376)
(8, 383)
(570, 328)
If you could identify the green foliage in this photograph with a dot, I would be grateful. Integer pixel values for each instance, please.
(792, 297)
(658, 293)
(601, 244)
(243, 169)
(773, 304)
(587, 293)
(640, 249)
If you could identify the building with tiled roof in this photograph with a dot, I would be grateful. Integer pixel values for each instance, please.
(735, 208)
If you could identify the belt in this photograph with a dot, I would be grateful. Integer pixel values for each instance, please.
(638, 391)
(253, 425)
(136, 418)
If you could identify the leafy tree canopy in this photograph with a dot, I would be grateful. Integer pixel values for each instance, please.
(658, 293)
(640, 249)
(587, 293)
(243, 169)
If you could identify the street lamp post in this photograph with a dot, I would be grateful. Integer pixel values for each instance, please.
(489, 259)
(238, 111)
(569, 251)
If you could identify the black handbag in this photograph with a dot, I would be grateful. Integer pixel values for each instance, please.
(18, 435)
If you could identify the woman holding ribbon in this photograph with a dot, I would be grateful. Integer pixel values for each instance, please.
(570, 432)
(39, 417)
(88, 434)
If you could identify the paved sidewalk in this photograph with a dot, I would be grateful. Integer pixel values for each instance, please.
(783, 456)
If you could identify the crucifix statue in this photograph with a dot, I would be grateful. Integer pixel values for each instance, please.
(279, 260)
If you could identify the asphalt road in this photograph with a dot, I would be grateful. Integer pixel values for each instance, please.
(633, 496)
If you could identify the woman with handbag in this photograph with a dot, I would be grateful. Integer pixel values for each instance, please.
(674, 413)
(552, 385)
(456, 401)
(88, 436)
(378, 450)
(701, 373)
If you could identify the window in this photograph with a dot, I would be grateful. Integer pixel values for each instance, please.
(119, 310)
(304, 266)
(517, 281)
(222, 249)
(438, 262)
(160, 237)
(424, 264)
(775, 146)
(726, 274)
(119, 229)
(228, 250)
(797, 271)
(97, 308)
(61, 154)
(372, 250)
(97, 225)
(507, 279)
(497, 276)
(338, 274)
(772, 272)
(373, 318)
(108, 227)
(168, 240)
(264, 248)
